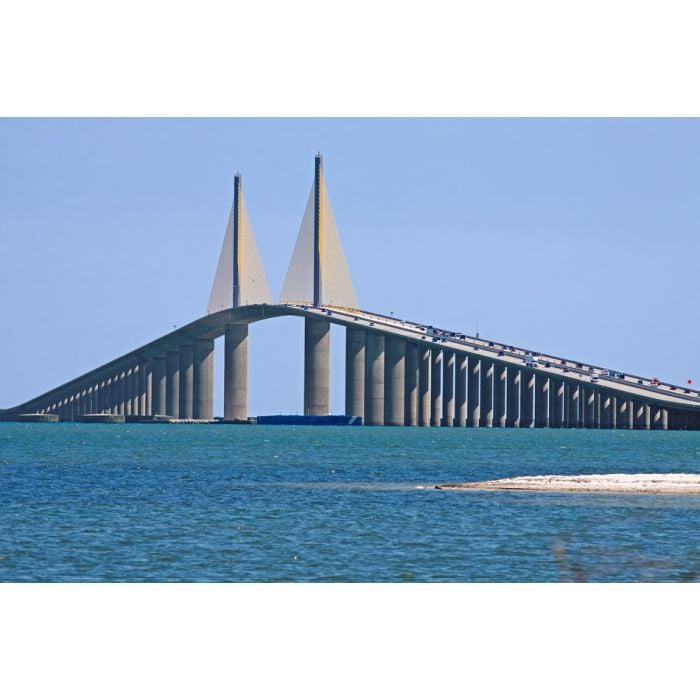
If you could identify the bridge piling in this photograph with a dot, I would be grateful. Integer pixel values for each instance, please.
(317, 337)
(158, 396)
(424, 357)
(374, 379)
(461, 391)
(448, 388)
(186, 382)
(203, 379)
(395, 381)
(236, 371)
(412, 384)
(527, 399)
(486, 394)
(500, 384)
(172, 383)
(541, 401)
(355, 372)
(513, 398)
(435, 387)
(473, 382)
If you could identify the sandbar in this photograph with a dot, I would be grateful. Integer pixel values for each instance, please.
(591, 483)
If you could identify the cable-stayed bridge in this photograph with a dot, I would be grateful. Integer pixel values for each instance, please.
(397, 372)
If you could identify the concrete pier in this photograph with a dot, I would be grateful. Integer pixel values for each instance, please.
(412, 383)
(317, 345)
(527, 399)
(461, 391)
(236, 371)
(172, 383)
(513, 398)
(486, 394)
(541, 401)
(395, 381)
(556, 403)
(141, 381)
(374, 379)
(606, 404)
(589, 407)
(119, 407)
(622, 420)
(500, 385)
(203, 379)
(448, 388)
(473, 381)
(355, 372)
(573, 405)
(158, 399)
(435, 386)
(655, 412)
(424, 358)
(186, 382)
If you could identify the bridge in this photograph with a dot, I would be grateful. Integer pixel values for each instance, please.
(397, 372)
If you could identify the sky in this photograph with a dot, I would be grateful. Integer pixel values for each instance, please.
(576, 237)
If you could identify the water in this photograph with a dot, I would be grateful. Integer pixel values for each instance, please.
(83, 502)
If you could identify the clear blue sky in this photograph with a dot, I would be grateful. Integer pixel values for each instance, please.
(576, 237)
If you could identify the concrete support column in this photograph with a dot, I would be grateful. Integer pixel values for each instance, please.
(141, 388)
(395, 381)
(513, 400)
(655, 417)
(541, 401)
(355, 372)
(172, 383)
(374, 379)
(158, 388)
(186, 381)
(596, 409)
(473, 381)
(121, 381)
(613, 412)
(435, 386)
(486, 394)
(448, 388)
(622, 420)
(640, 415)
(606, 405)
(89, 400)
(424, 386)
(664, 419)
(236, 371)
(500, 377)
(527, 399)
(317, 346)
(556, 403)
(411, 389)
(461, 391)
(589, 407)
(129, 383)
(203, 379)
(575, 417)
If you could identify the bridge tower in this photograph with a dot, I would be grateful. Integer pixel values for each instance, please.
(239, 281)
(318, 275)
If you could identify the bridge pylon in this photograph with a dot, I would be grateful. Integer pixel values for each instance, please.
(318, 275)
(239, 281)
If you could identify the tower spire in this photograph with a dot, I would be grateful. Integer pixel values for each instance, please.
(236, 240)
(318, 273)
(240, 279)
(318, 228)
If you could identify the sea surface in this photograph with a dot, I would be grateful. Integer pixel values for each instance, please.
(82, 502)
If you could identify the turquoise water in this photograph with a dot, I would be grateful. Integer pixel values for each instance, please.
(85, 502)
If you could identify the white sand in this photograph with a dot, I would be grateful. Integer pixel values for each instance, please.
(616, 483)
